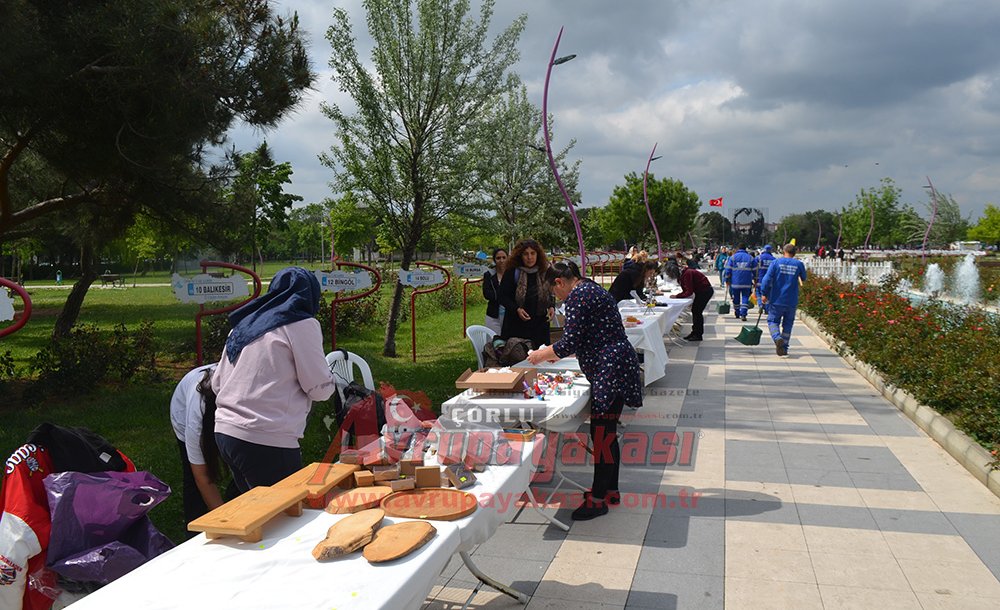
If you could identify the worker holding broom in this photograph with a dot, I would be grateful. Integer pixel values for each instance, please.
(780, 291)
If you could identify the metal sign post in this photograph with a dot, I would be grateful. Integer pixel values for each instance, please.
(467, 272)
(346, 281)
(7, 306)
(206, 288)
(418, 278)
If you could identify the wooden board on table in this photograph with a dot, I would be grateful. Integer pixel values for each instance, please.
(398, 540)
(434, 503)
(318, 479)
(245, 516)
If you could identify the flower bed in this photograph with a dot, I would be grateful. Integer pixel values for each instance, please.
(948, 358)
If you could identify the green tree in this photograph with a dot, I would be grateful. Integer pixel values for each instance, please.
(674, 208)
(352, 222)
(513, 172)
(810, 229)
(716, 228)
(411, 146)
(949, 226)
(987, 229)
(884, 200)
(106, 108)
(257, 195)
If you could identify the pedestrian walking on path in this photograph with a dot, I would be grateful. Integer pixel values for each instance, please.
(741, 274)
(780, 290)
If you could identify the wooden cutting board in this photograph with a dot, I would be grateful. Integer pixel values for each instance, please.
(246, 515)
(398, 540)
(434, 503)
(349, 534)
(318, 479)
(359, 498)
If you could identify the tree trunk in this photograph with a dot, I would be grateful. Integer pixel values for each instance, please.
(71, 310)
(389, 349)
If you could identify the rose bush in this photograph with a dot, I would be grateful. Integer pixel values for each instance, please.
(947, 357)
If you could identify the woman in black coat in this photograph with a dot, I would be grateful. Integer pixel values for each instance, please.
(526, 295)
(491, 291)
(632, 278)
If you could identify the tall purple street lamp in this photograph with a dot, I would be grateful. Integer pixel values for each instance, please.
(548, 149)
(645, 198)
(934, 209)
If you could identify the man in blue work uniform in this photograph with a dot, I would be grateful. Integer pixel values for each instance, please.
(764, 260)
(780, 290)
(741, 274)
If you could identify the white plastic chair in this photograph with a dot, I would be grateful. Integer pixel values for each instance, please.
(342, 364)
(479, 335)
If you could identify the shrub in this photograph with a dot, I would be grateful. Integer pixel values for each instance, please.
(946, 356)
(6, 368)
(87, 357)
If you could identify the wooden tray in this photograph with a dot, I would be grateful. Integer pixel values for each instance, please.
(318, 479)
(245, 516)
(434, 503)
(359, 498)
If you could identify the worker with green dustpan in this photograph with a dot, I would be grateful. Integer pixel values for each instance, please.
(780, 290)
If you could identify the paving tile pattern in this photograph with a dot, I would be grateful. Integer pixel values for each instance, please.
(801, 487)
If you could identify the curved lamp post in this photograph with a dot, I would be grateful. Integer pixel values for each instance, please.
(840, 229)
(871, 226)
(934, 208)
(548, 149)
(645, 198)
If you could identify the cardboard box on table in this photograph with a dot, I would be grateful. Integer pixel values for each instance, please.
(483, 381)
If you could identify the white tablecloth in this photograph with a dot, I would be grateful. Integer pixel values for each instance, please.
(648, 338)
(278, 572)
(498, 489)
(559, 413)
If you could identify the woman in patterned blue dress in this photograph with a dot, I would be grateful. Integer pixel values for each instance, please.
(594, 332)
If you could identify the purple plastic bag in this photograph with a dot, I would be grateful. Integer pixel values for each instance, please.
(100, 529)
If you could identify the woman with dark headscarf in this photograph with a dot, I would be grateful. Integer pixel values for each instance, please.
(526, 295)
(271, 371)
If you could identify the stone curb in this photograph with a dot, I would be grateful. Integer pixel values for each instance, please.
(958, 444)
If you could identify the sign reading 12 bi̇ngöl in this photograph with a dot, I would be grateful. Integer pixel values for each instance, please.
(420, 278)
(204, 288)
(340, 281)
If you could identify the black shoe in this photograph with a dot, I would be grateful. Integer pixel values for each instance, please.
(613, 498)
(744, 318)
(589, 510)
(780, 348)
(693, 338)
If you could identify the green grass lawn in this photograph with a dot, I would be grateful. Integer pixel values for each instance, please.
(135, 417)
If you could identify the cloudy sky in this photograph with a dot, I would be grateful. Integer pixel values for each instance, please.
(780, 104)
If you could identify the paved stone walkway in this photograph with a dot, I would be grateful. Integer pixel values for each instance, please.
(804, 488)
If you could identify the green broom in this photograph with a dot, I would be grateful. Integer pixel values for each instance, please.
(750, 335)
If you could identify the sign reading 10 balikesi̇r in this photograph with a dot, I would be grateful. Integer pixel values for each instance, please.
(204, 288)
(340, 281)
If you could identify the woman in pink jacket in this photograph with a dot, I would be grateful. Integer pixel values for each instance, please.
(271, 371)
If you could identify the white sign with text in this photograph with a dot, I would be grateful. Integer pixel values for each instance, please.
(420, 278)
(6, 306)
(204, 288)
(470, 270)
(341, 281)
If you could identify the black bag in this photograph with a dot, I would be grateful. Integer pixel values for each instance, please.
(513, 351)
(361, 415)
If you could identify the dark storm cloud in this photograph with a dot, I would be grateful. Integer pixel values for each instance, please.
(794, 104)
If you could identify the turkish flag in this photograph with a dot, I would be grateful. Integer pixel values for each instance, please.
(715, 203)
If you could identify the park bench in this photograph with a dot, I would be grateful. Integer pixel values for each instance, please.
(113, 280)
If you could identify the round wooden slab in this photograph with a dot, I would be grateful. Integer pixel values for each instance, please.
(399, 540)
(359, 498)
(349, 534)
(434, 503)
